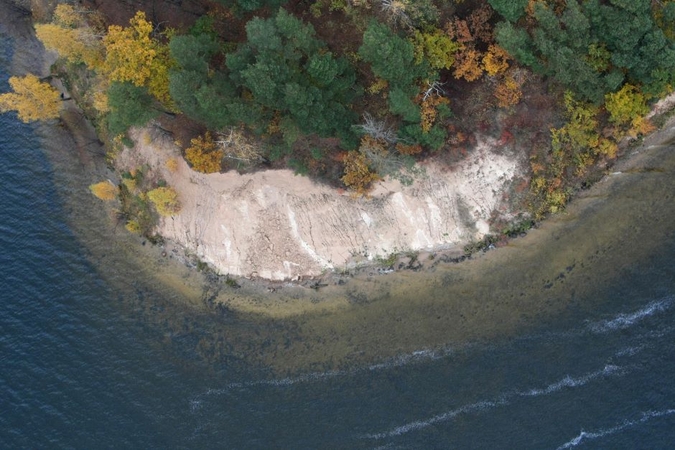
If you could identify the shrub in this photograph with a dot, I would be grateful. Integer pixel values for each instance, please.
(357, 175)
(165, 200)
(171, 165)
(204, 155)
(104, 190)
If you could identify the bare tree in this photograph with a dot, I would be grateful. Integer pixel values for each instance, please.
(378, 129)
(236, 146)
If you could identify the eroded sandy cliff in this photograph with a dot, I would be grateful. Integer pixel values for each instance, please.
(276, 225)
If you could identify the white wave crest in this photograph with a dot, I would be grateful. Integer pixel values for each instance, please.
(505, 399)
(478, 406)
(568, 381)
(585, 436)
(623, 321)
(398, 361)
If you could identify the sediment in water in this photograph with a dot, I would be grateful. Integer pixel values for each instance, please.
(559, 266)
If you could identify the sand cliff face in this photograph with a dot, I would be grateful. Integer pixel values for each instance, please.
(277, 225)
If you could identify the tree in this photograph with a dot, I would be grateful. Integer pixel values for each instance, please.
(401, 103)
(204, 155)
(65, 15)
(133, 56)
(104, 190)
(507, 91)
(429, 110)
(165, 200)
(390, 57)
(519, 44)
(286, 69)
(626, 106)
(198, 89)
(436, 47)
(511, 10)
(496, 60)
(130, 51)
(467, 65)
(252, 5)
(357, 174)
(593, 47)
(129, 105)
(32, 99)
(71, 37)
(76, 45)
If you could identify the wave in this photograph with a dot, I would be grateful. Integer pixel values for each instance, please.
(568, 381)
(619, 322)
(623, 321)
(397, 361)
(585, 436)
(505, 399)
(314, 376)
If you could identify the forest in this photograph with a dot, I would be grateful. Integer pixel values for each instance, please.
(352, 91)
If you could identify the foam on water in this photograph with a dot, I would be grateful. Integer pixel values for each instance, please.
(623, 321)
(504, 399)
(619, 322)
(591, 435)
(398, 361)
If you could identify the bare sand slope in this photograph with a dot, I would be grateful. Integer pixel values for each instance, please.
(276, 225)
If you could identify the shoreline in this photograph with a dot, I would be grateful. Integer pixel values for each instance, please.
(556, 268)
(393, 259)
(181, 271)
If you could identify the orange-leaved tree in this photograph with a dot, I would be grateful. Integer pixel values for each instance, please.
(507, 91)
(496, 60)
(32, 99)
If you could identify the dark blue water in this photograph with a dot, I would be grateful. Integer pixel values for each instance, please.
(86, 363)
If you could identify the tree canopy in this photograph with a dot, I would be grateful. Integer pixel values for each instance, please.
(286, 69)
(390, 56)
(200, 92)
(132, 55)
(593, 47)
(32, 99)
(129, 105)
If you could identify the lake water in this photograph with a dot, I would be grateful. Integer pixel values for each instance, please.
(95, 354)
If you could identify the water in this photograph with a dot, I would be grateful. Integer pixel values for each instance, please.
(94, 353)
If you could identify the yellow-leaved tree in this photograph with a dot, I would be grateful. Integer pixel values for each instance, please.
(436, 47)
(358, 175)
(204, 155)
(627, 106)
(132, 55)
(71, 37)
(66, 16)
(507, 91)
(104, 190)
(165, 200)
(32, 99)
(496, 60)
